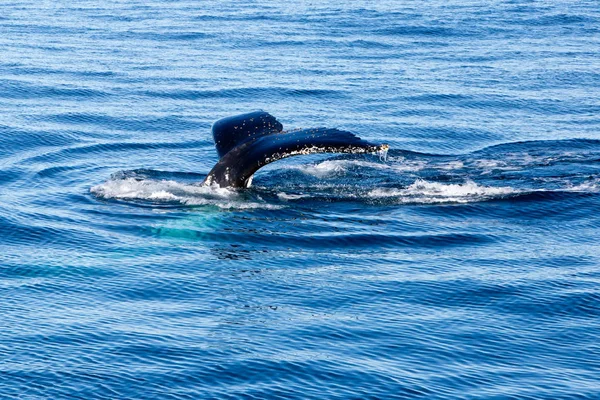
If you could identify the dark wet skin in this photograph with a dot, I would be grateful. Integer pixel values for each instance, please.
(248, 142)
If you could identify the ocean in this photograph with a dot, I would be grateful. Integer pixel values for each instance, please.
(465, 265)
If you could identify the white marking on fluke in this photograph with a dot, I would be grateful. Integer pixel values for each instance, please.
(383, 152)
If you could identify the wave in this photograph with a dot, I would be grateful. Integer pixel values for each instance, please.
(516, 171)
(168, 191)
(425, 192)
(174, 192)
(290, 196)
(24, 91)
(111, 147)
(128, 124)
(334, 167)
(244, 92)
(539, 145)
(589, 186)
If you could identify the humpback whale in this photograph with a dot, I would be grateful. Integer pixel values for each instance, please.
(247, 142)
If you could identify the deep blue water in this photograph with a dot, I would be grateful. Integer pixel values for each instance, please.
(466, 265)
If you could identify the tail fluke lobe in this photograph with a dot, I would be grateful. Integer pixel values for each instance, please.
(232, 131)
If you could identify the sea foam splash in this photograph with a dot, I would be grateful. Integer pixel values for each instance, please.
(288, 196)
(422, 191)
(590, 186)
(170, 191)
(328, 168)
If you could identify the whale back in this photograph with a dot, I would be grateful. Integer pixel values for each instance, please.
(232, 131)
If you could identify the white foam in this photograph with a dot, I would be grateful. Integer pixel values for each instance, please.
(162, 195)
(287, 197)
(422, 191)
(452, 165)
(323, 169)
(172, 191)
(489, 164)
(329, 168)
(592, 186)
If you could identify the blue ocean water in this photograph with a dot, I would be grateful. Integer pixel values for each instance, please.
(466, 265)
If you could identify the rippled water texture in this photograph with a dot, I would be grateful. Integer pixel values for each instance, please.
(466, 265)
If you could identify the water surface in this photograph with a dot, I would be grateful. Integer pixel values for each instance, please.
(466, 265)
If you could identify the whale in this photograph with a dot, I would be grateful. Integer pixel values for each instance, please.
(247, 142)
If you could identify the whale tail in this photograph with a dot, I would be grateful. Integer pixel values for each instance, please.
(232, 131)
(248, 142)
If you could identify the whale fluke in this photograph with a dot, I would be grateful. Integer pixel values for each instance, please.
(250, 141)
(231, 131)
